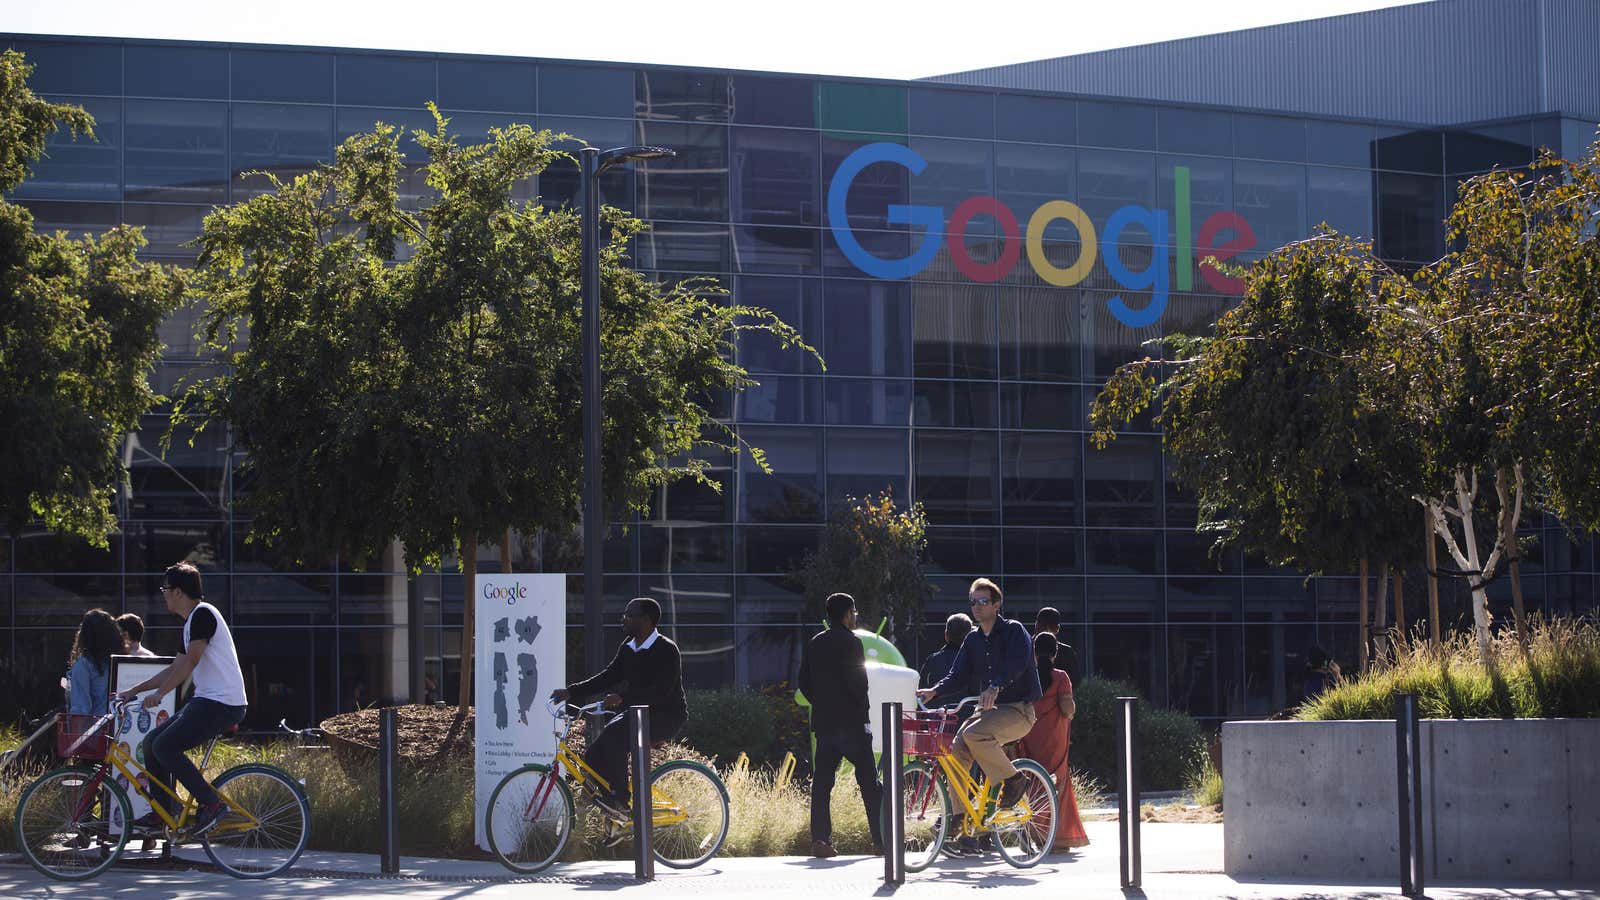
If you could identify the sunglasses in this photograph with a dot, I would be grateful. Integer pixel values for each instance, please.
(980, 601)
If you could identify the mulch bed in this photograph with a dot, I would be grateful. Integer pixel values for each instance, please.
(428, 734)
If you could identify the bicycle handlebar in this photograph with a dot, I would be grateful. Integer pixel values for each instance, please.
(976, 698)
(563, 709)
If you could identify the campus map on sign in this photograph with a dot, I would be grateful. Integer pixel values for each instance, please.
(521, 623)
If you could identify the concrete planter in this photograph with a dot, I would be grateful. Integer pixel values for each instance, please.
(1502, 799)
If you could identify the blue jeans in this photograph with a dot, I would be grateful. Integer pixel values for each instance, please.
(198, 721)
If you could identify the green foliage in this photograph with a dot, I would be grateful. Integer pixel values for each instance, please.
(429, 359)
(1171, 744)
(1205, 786)
(726, 722)
(77, 339)
(1558, 677)
(873, 551)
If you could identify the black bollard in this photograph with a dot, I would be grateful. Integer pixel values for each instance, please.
(1128, 793)
(644, 861)
(894, 797)
(388, 802)
(1408, 772)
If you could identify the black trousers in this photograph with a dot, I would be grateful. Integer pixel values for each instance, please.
(855, 745)
(608, 752)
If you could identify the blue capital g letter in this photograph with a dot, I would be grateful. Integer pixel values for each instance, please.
(931, 218)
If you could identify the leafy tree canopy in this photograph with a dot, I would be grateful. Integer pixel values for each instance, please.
(873, 551)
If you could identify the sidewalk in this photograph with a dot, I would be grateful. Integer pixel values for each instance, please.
(1180, 861)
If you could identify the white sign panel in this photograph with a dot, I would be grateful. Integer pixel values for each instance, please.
(130, 728)
(519, 657)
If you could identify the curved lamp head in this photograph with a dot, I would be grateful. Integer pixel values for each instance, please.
(615, 155)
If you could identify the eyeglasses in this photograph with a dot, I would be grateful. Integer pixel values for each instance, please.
(980, 601)
(167, 587)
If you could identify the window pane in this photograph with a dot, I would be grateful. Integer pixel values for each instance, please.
(381, 80)
(487, 84)
(1122, 552)
(1053, 407)
(1340, 144)
(586, 91)
(75, 218)
(951, 112)
(1043, 551)
(1486, 147)
(1214, 599)
(283, 599)
(798, 302)
(286, 141)
(1040, 332)
(1410, 217)
(1269, 137)
(1274, 667)
(1271, 197)
(374, 599)
(81, 169)
(685, 247)
(867, 328)
(882, 244)
(1122, 482)
(1185, 130)
(168, 227)
(183, 481)
(1125, 125)
(289, 674)
(1040, 120)
(175, 151)
(285, 75)
(681, 94)
(776, 250)
(863, 461)
(759, 100)
(963, 551)
(776, 176)
(45, 600)
(956, 476)
(72, 67)
(1126, 653)
(955, 331)
(686, 499)
(775, 548)
(792, 492)
(1040, 478)
(694, 186)
(847, 107)
(1111, 343)
(794, 400)
(955, 404)
(42, 550)
(558, 184)
(1109, 181)
(1342, 198)
(874, 189)
(1210, 192)
(1026, 178)
(1278, 599)
(866, 401)
(153, 546)
(685, 547)
(164, 70)
(1203, 669)
(1411, 151)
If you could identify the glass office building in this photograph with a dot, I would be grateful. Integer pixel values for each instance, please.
(1046, 237)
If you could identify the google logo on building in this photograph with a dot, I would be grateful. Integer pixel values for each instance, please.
(1154, 278)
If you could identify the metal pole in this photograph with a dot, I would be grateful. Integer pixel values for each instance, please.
(1128, 795)
(894, 797)
(1408, 776)
(644, 861)
(388, 805)
(594, 531)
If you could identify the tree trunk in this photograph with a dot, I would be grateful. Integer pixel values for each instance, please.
(1517, 608)
(505, 553)
(469, 595)
(1400, 602)
(1433, 580)
(1361, 618)
(1380, 624)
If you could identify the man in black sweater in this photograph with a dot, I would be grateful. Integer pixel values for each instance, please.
(833, 676)
(650, 672)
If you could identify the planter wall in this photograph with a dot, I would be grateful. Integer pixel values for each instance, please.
(1502, 799)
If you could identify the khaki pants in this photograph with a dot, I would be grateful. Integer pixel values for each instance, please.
(984, 736)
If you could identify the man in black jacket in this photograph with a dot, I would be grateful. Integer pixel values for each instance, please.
(937, 665)
(650, 672)
(833, 677)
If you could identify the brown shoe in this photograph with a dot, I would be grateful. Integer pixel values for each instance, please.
(823, 850)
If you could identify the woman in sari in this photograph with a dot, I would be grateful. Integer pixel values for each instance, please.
(1047, 743)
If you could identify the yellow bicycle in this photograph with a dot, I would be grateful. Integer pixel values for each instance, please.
(1022, 832)
(531, 813)
(74, 822)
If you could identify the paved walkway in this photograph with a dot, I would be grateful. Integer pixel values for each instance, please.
(1180, 861)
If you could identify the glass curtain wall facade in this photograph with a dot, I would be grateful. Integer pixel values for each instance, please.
(963, 384)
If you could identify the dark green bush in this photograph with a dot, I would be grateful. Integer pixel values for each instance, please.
(1172, 745)
(723, 723)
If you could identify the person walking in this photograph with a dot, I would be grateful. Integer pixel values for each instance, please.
(89, 665)
(833, 678)
(1048, 621)
(1051, 736)
(133, 635)
(937, 665)
(999, 654)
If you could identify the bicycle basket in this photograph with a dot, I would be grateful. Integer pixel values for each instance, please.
(72, 727)
(928, 733)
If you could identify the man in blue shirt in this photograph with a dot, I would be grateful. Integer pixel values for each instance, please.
(998, 654)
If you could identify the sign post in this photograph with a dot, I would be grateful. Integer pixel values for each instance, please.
(136, 722)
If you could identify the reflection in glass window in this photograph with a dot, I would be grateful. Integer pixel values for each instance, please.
(955, 404)
(292, 672)
(1121, 124)
(1340, 144)
(965, 551)
(1042, 551)
(762, 100)
(955, 331)
(866, 401)
(1109, 181)
(684, 247)
(867, 327)
(1027, 177)
(957, 170)
(287, 141)
(80, 168)
(780, 399)
(776, 176)
(1269, 137)
(1410, 217)
(1111, 343)
(42, 550)
(1122, 552)
(585, 91)
(685, 547)
(863, 461)
(845, 107)
(164, 70)
(1274, 667)
(1125, 652)
(775, 548)
(290, 76)
(686, 499)
(1188, 130)
(71, 67)
(1039, 120)
(776, 250)
(1210, 192)
(168, 227)
(497, 84)
(175, 151)
(874, 189)
(1039, 478)
(1272, 198)
(954, 113)
(797, 301)
(693, 186)
(1342, 198)
(74, 218)
(46, 600)
(882, 244)
(558, 184)
(956, 476)
(1189, 553)
(375, 79)
(283, 600)
(182, 481)
(1047, 407)
(683, 95)
(1039, 334)
(373, 599)
(792, 492)
(1483, 148)
(1202, 669)
(1122, 483)
(152, 546)
(1276, 599)
(373, 666)
(1411, 151)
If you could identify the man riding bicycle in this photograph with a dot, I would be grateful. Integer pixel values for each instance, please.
(649, 670)
(217, 705)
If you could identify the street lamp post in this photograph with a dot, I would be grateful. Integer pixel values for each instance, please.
(594, 163)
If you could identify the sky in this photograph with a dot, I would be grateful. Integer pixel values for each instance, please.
(864, 38)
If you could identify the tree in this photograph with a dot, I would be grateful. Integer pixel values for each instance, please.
(78, 320)
(415, 375)
(872, 550)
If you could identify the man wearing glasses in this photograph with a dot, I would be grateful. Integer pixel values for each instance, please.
(998, 654)
(217, 705)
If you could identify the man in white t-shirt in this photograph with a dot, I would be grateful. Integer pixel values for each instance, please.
(217, 705)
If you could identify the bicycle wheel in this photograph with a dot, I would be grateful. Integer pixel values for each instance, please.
(64, 823)
(266, 822)
(530, 819)
(1024, 832)
(927, 805)
(690, 813)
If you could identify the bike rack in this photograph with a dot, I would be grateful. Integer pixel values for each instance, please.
(1128, 794)
(1408, 771)
(894, 797)
(388, 803)
(644, 862)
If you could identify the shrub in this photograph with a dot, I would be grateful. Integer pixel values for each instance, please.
(723, 723)
(1559, 677)
(1205, 786)
(1171, 744)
